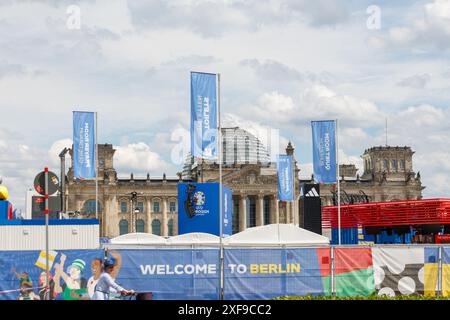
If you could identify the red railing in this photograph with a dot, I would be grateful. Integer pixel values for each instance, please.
(394, 213)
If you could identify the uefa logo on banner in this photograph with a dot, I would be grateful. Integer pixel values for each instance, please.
(199, 198)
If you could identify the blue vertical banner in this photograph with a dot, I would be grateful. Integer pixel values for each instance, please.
(324, 150)
(84, 145)
(285, 178)
(204, 126)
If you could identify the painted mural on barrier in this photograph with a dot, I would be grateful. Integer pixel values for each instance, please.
(445, 272)
(71, 274)
(359, 271)
(172, 273)
(386, 271)
(268, 273)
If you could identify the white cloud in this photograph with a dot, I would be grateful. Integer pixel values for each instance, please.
(320, 102)
(426, 30)
(418, 81)
(55, 150)
(137, 157)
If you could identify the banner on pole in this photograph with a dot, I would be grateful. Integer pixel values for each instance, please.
(324, 151)
(285, 178)
(84, 145)
(204, 127)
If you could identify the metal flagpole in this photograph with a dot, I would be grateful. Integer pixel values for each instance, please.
(338, 181)
(96, 169)
(222, 274)
(47, 283)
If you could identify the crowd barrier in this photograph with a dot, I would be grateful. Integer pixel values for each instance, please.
(249, 272)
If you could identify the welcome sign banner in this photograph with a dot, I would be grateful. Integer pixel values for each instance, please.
(172, 273)
(84, 145)
(204, 126)
(324, 151)
(268, 273)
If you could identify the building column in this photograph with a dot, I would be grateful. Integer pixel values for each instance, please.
(295, 212)
(288, 211)
(260, 210)
(79, 202)
(275, 210)
(164, 226)
(149, 215)
(111, 216)
(242, 212)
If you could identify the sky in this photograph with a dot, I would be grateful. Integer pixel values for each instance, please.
(283, 63)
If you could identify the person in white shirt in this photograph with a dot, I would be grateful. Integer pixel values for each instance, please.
(106, 282)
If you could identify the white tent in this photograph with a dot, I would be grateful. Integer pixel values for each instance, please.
(276, 235)
(268, 235)
(138, 239)
(195, 238)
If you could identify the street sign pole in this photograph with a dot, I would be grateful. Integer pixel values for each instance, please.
(47, 286)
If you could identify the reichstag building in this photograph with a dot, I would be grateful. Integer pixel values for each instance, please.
(387, 175)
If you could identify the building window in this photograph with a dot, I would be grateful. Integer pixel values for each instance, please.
(251, 212)
(123, 207)
(156, 206)
(385, 164)
(89, 207)
(170, 227)
(394, 165)
(156, 227)
(266, 211)
(140, 225)
(123, 227)
(235, 216)
(140, 206)
(402, 165)
(172, 206)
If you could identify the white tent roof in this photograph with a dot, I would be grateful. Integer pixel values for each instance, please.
(193, 238)
(268, 235)
(276, 234)
(138, 238)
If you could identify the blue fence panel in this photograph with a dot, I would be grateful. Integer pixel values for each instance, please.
(172, 273)
(348, 236)
(23, 277)
(268, 273)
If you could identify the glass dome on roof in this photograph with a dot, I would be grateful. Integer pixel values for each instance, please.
(239, 147)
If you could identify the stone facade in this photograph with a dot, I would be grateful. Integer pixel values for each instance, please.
(387, 176)
(254, 186)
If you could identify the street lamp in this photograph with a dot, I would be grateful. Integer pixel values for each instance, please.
(62, 156)
(133, 205)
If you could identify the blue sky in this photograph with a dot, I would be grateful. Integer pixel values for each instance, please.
(283, 63)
